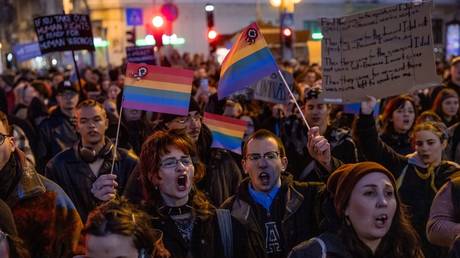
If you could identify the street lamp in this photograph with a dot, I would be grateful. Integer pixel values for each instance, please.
(209, 7)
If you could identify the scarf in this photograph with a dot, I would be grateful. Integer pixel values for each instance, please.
(9, 177)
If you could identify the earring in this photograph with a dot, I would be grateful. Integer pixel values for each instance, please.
(347, 221)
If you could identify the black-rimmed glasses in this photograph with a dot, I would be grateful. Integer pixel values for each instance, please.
(173, 162)
(271, 155)
(185, 119)
(3, 137)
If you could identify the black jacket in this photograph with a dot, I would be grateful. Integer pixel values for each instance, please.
(74, 175)
(325, 244)
(398, 142)
(57, 133)
(205, 241)
(300, 219)
(416, 192)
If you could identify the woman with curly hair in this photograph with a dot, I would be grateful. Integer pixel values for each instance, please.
(169, 170)
(368, 217)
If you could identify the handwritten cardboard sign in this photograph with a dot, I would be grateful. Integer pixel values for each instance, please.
(141, 55)
(381, 53)
(272, 88)
(64, 32)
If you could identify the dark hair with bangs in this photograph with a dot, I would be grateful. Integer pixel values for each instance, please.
(156, 146)
(392, 105)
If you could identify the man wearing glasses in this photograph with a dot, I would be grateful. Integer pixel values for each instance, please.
(45, 217)
(58, 131)
(277, 211)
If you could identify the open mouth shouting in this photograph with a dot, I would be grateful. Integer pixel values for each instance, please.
(381, 221)
(264, 178)
(182, 182)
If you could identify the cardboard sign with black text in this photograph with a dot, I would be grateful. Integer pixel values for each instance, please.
(381, 53)
(64, 32)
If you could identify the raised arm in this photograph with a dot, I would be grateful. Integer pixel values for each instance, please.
(369, 142)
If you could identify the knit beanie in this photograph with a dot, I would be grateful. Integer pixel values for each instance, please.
(193, 106)
(7, 224)
(341, 183)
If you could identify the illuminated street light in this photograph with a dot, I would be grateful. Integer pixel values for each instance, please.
(209, 7)
(275, 3)
(158, 21)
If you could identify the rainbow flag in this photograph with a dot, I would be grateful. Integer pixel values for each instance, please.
(227, 132)
(248, 61)
(157, 89)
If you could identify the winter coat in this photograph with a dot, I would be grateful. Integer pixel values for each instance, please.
(46, 218)
(417, 184)
(329, 245)
(205, 240)
(300, 217)
(74, 175)
(398, 142)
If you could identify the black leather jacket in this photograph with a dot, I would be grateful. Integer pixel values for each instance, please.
(74, 175)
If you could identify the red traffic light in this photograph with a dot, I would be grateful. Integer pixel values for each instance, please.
(158, 21)
(212, 34)
(287, 32)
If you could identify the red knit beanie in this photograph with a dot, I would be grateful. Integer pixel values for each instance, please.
(341, 183)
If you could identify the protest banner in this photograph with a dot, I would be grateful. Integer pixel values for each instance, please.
(272, 89)
(64, 32)
(26, 51)
(381, 53)
(144, 55)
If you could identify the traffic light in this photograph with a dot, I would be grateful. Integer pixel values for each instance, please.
(287, 37)
(212, 33)
(212, 40)
(131, 36)
(157, 28)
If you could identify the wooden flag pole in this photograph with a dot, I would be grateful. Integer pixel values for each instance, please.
(114, 151)
(293, 98)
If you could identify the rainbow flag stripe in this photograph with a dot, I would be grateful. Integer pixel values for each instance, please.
(227, 132)
(157, 89)
(248, 61)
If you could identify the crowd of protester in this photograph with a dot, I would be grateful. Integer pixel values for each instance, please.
(379, 182)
